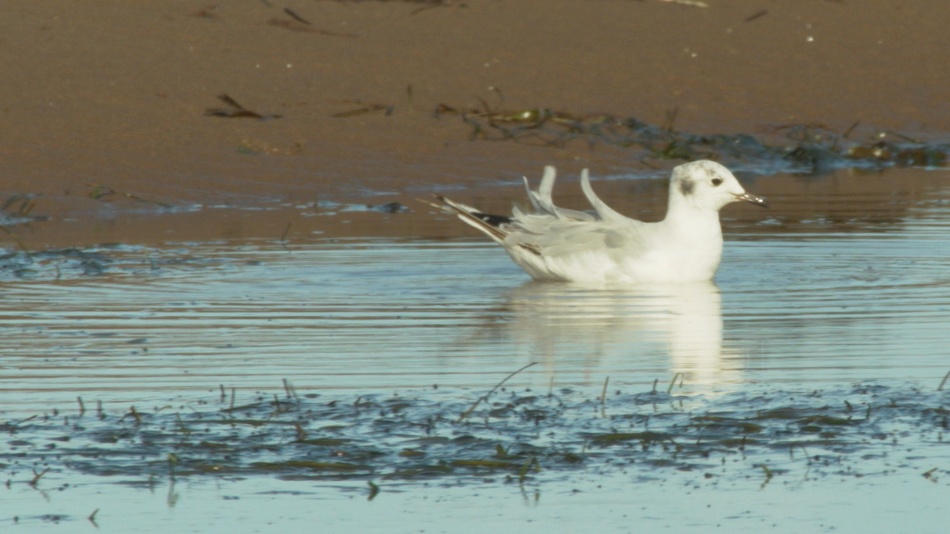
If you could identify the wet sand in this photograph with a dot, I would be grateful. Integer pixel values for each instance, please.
(106, 107)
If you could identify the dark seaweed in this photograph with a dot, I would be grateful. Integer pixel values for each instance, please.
(516, 435)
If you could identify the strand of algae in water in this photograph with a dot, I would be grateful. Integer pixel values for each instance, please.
(485, 396)
(944, 381)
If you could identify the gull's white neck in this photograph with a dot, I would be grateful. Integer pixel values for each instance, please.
(699, 234)
(691, 221)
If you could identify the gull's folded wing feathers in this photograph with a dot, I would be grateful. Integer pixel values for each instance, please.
(606, 212)
(557, 238)
(543, 203)
(532, 196)
(545, 189)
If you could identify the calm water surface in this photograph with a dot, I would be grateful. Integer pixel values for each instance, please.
(836, 284)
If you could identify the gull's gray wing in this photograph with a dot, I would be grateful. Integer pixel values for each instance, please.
(552, 237)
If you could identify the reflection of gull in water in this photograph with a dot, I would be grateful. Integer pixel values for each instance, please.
(552, 243)
(651, 333)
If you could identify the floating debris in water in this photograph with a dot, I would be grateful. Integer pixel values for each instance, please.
(389, 207)
(333, 207)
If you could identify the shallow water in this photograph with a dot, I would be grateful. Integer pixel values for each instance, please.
(815, 294)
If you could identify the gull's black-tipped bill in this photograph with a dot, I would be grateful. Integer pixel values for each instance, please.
(758, 201)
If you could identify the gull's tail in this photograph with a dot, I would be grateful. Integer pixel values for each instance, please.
(490, 225)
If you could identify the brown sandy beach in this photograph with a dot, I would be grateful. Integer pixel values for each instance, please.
(107, 134)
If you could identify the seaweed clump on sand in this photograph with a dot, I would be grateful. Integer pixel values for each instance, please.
(810, 148)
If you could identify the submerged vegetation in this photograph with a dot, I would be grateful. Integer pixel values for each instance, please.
(52, 263)
(108, 259)
(509, 436)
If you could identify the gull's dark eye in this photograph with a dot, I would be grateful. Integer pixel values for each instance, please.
(717, 181)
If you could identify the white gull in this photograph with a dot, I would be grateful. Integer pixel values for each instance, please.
(557, 244)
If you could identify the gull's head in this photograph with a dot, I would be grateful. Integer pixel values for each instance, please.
(708, 185)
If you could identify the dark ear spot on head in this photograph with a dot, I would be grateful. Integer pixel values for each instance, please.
(686, 187)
